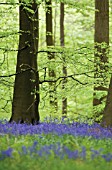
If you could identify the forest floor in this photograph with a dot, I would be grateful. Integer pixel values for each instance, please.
(55, 145)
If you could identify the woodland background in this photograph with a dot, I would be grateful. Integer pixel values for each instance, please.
(78, 53)
(71, 74)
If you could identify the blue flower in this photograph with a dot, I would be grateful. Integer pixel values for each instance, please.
(74, 128)
(83, 153)
(6, 153)
(95, 153)
(107, 157)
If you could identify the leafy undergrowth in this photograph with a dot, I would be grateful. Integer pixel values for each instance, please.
(56, 146)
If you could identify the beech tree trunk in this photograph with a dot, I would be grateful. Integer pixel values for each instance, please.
(51, 56)
(101, 40)
(26, 89)
(64, 70)
(107, 116)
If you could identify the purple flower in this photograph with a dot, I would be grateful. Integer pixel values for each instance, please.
(83, 153)
(95, 153)
(107, 157)
(74, 129)
(6, 153)
(71, 154)
(32, 148)
(24, 150)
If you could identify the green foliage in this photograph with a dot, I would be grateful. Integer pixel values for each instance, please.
(8, 47)
(78, 55)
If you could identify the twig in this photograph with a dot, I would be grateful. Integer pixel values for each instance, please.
(10, 75)
(7, 3)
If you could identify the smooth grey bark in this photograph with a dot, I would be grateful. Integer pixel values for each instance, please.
(64, 69)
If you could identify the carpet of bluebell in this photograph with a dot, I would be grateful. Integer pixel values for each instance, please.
(68, 145)
(74, 128)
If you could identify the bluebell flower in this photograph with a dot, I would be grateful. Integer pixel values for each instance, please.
(6, 153)
(74, 128)
(95, 153)
(107, 157)
(24, 150)
(83, 153)
(33, 147)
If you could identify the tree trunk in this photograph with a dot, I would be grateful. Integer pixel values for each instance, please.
(101, 40)
(51, 56)
(64, 70)
(107, 117)
(26, 88)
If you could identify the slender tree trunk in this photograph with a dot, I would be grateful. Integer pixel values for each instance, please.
(107, 116)
(101, 51)
(26, 88)
(51, 56)
(64, 70)
(55, 22)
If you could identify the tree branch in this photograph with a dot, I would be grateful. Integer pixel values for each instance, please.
(8, 3)
(61, 77)
(101, 88)
(47, 81)
(10, 75)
